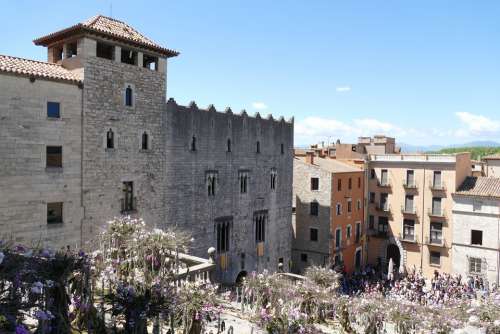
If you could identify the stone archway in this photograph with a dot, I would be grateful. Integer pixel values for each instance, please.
(239, 278)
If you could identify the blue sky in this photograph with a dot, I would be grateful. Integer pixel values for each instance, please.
(427, 72)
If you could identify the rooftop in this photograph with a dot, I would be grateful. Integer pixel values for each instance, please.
(480, 186)
(38, 69)
(331, 165)
(422, 158)
(110, 28)
(492, 157)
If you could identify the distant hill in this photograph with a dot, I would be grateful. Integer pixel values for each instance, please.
(477, 152)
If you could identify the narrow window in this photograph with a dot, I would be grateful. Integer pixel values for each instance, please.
(211, 183)
(110, 139)
(257, 148)
(242, 259)
(371, 222)
(359, 204)
(223, 234)
(260, 227)
(54, 156)
(384, 179)
(384, 203)
(314, 208)
(313, 234)
(243, 177)
(348, 231)
(349, 205)
(129, 96)
(314, 183)
(372, 197)
(408, 229)
(338, 237)
(372, 173)
(349, 184)
(53, 110)
(357, 261)
(358, 232)
(436, 206)
(55, 213)
(128, 200)
(435, 258)
(274, 176)
(339, 209)
(409, 204)
(436, 180)
(476, 237)
(229, 145)
(410, 178)
(282, 148)
(193, 144)
(145, 141)
(359, 182)
(339, 184)
(436, 235)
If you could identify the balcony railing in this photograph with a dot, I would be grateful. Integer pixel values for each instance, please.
(408, 210)
(383, 207)
(438, 186)
(195, 269)
(128, 206)
(409, 184)
(440, 242)
(408, 237)
(437, 213)
(384, 183)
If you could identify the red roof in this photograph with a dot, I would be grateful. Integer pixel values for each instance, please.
(107, 27)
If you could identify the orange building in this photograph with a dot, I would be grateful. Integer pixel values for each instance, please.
(329, 213)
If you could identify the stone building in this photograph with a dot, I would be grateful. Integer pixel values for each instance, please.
(328, 218)
(410, 209)
(476, 229)
(89, 135)
(492, 165)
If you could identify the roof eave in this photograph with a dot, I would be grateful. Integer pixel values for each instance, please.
(80, 28)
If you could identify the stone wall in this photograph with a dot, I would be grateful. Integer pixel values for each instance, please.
(26, 185)
(187, 204)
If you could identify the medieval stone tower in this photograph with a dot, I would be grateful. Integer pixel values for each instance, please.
(105, 142)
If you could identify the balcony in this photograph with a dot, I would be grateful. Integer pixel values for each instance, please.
(411, 238)
(195, 269)
(437, 214)
(409, 185)
(437, 186)
(383, 207)
(128, 206)
(435, 241)
(383, 183)
(410, 211)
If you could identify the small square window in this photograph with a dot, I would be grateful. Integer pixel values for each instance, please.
(303, 257)
(54, 156)
(314, 183)
(55, 213)
(53, 110)
(435, 258)
(313, 233)
(476, 237)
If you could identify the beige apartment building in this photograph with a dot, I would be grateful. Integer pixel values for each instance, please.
(409, 216)
(492, 168)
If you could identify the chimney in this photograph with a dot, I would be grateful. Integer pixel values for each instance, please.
(310, 158)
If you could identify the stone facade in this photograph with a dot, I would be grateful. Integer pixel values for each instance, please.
(164, 181)
(410, 203)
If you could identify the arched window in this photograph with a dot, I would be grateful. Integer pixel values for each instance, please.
(110, 139)
(258, 147)
(193, 143)
(145, 141)
(128, 96)
(229, 145)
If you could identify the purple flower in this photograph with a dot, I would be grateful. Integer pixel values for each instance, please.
(41, 315)
(20, 329)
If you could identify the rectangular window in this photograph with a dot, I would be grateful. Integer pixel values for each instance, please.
(359, 182)
(303, 257)
(359, 204)
(436, 233)
(128, 200)
(314, 183)
(409, 204)
(371, 222)
(372, 197)
(408, 229)
(384, 179)
(243, 178)
(338, 237)
(435, 258)
(339, 209)
(348, 232)
(349, 184)
(410, 178)
(372, 173)
(436, 206)
(104, 50)
(53, 110)
(349, 205)
(314, 208)
(150, 62)
(383, 225)
(54, 156)
(260, 219)
(211, 182)
(358, 232)
(384, 203)
(475, 265)
(274, 176)
(313, 234)
(128, 57)
(436, 180)
(223, 229)
(339, 185)
(476, 237)
(55, 213)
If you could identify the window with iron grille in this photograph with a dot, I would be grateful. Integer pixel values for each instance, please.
(314, 208)
(314, 183)
(475, 265)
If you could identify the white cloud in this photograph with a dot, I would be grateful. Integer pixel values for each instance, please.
(343, 89)
(259, 105)
(477, 125)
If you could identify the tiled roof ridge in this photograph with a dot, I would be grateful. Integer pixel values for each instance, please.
(33, 60)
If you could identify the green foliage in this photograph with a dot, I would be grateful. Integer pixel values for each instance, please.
(477, 152)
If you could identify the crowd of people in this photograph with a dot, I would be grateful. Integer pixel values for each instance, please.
(412, 286)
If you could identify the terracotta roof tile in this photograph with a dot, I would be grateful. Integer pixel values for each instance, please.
(37, 69)
(480, 186)
(108, 27)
